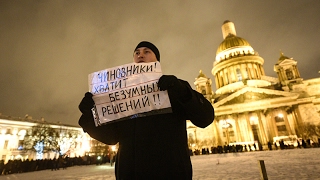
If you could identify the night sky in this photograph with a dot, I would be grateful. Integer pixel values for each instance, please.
(48, 47)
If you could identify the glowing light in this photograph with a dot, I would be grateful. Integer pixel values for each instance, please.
(39, 149)
(15, 131)
(280, 115)
(226, 124)
(22, 132)
(86, 146)
(18, 157)
(113, 148)
(253, 120)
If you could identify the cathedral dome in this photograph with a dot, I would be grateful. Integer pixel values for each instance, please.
(232, 45)
(232, 41)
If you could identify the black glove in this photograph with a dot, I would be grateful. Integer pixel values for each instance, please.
(86, 104)
(167, 82)
(174, 86)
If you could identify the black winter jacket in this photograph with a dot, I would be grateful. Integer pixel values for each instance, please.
(154, 147)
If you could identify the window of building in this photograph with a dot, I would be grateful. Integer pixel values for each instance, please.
(239, 76)
(289, 74)
(255, 131)
(227, 79)
(279, 119)
(5, 146)
(282, 128)
(20, 145)
(203, 90)
(230, 133)
(246, 74)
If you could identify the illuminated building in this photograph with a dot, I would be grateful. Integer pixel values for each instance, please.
(72, 140)
(250, 106)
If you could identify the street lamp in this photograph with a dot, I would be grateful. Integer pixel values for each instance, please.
(226, 125)
(113, 148)
(195, 135)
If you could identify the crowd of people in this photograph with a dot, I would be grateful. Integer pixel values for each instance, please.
(20, 166)
(226, 149)
(255, 147)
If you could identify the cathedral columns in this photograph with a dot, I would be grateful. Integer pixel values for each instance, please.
(258, 70)
(274, 131)
(255, 71)
(284, 76)
(233, 74)
(217, 76)
(285, 118)
(261, 127)
(262, 70)
(218, 128)
(216, 139)
(249, 71)
(228, 74)
(279, 75)
(239, 135)
(268, 125)
(242, 70)
(217, 81)
(253, 74)
(250, 133)
(292, 122)
(298, 73)
(221, 74)
(299, 123)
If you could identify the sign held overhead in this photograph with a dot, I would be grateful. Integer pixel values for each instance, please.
(127, 91)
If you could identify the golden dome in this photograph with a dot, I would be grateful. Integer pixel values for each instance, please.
(232, 41)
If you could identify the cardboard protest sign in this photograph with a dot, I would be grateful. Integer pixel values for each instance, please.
(127, 91)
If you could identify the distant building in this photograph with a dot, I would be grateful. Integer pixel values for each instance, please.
(13, 131)
(251, 107)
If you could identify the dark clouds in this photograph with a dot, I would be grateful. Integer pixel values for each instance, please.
(47, 48)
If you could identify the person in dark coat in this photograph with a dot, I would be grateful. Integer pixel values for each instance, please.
(153, 147)
(269, 145)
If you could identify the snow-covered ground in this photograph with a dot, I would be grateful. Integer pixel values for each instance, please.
(280, 164)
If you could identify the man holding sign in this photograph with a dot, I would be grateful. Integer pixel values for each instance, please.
(154, 145)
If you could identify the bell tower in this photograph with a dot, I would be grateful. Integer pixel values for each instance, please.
(203, 85)
(288, 73)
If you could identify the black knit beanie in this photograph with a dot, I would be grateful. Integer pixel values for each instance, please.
(151, 46)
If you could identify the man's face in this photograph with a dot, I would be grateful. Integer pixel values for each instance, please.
(144, 55)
